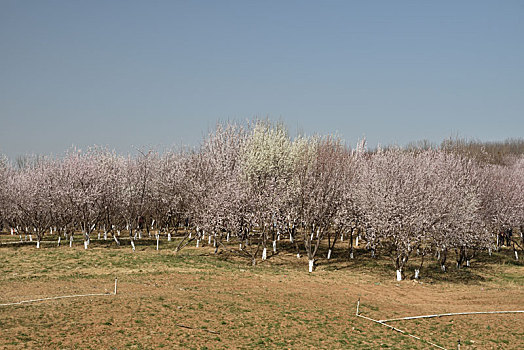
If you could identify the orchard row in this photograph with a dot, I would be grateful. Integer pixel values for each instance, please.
(255, 183)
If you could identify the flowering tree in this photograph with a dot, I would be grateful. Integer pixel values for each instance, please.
(503, 199)
(30, 192)
(266, 172)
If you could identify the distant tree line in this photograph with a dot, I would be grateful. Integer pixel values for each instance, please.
(254, 185)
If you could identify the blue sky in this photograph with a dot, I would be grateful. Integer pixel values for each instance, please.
(160, 73)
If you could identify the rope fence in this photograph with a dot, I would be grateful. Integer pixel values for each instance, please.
(395, 329)
(453, 314)
(63, 297)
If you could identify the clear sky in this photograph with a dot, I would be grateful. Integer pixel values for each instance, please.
(162, 73)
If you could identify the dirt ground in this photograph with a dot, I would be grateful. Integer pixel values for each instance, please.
(198, 300)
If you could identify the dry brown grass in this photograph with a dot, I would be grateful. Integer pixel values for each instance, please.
(276, 304)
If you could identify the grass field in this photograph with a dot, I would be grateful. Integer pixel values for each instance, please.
(227, 304)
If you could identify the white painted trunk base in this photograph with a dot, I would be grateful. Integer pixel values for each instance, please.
(85, 245)
(38, 244)
(99, 235)
(105, 235)
(417, 273)
(467, 263)
(70, 241)
(209, 239)
(133, 245)
(311, 265)
(264, 254)
(227, 237)
(169, 237)
(30, 238)
(399, 275)
(291, 238)
(356, 242)
(298, 255)
(443, 268)
(329, 254)
(351, 255)
(198, 243)
(157, 241)
(516, 255)
(58, 241)
(274, 246)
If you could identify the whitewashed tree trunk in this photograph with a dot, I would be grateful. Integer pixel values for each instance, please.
(198, 243)
(274, 246)
(516, 255)
(58, 245)
(227, 237)
(399, 275)
(98, 235)
(12, 231)
(417, 272)
(264, 253)
(133, 245)
(209, 239)
(278, 235)
(70, 241)
(329, 254)
(356, 242)
(157, 241)
(467, 263)
(105, 235)
(190, 234)
(116, 240)
(311, 264)
(298, 255)
(342, 237)
(38, 244)
(30, 238)
(443, 268)
(21, 238)
(240, 246)
(139, 234)
(85, 244)
(169, 236)
(489, 251)
(351, 254)
(290, 238)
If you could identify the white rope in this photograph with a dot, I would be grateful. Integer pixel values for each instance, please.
(396, 329)
(60, 297)
(453, 314)
(63, 297)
